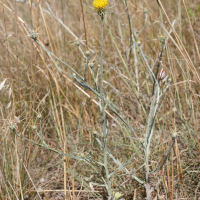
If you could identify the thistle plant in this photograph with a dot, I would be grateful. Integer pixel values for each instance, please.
(100, 5)
(144, 145)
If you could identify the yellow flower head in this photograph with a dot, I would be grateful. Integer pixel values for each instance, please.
(99, 5)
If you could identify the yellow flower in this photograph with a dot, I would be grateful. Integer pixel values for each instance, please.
(99, 5)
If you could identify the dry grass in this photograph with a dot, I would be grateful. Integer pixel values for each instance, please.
(35, 85)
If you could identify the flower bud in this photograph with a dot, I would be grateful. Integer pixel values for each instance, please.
(34, 127)
(91, 65)
(77, 43)
(162, 39)
(39, 116)
(87, 52)
(12, 127)
(174, 135)
(139, 43)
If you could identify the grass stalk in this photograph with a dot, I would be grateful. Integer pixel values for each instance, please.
(134, 152)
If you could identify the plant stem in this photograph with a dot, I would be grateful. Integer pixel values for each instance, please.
(101, 68)
(103, 115)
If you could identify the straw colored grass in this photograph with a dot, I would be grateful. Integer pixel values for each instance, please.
(37, 94)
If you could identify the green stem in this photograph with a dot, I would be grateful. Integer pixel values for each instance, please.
(101, 68)
(103, 114)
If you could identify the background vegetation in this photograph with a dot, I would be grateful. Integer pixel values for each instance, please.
(37, 97)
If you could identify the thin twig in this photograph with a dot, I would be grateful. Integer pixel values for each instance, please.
(165, 157)
(81, 1)
(86, 65)
(130, 30)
